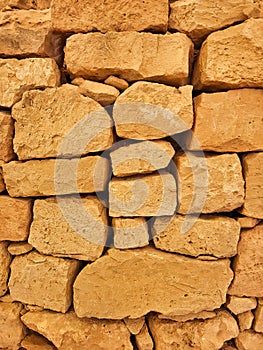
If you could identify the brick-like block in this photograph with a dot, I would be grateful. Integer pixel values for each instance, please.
(5, 260)
(248, 340)
(130, 55)
(239, 305)
(6, 137)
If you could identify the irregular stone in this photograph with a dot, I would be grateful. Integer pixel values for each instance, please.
(35, 341)
(216, 181)
(44, 120)
(246, 222)
(90, 16)
(19, 248)
(6, 137)
(248, 264)
(15, 218)
(18, 76)
(51, 233)
(253, 170)
(116, 82)
(223, 62)
(66, 331)
(130, 55)
(245, 320)
(2, 183)
(130, 233)
(198, 18)
(239, 305)
(38, 177)
(26, 4)
(141, 158)
(12, 329)
(148, 111)
(249, 340)
(5, 260)
(6, 298)
(206, 335)
(149, 195)
(258, 324)
(144, 340)
(232, 108)
(154, 281)
(43, 280)
(192, 316)
(210, 235)
(134, 325)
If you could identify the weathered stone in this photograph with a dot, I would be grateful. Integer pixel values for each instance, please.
(206, 335)
(216, 178)
(51, 233)
(38, 177)
(246, 222)
(5, 260)
(210, 235)
(149, 195)
(258, 324)
(253, 170)
(144, 340)
(2, 183)
(239, 305)
(26, 4)
(18, 76)
(35, 341)
(192, 316)
(15, 218)
(140, 158)
(6, 137)
(134, 325)
(116, 82)
(213, 112)
(19, 248)
(43, 280)
(130, 55)
(224, 63)
(152, 111)
(245, 320)
(12, 329)
(130, 233)
(249, 340)
(69, 332)
(198, 18)
(248, 265)
(154, 281)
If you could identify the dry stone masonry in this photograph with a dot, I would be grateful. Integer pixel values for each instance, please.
(131, 175)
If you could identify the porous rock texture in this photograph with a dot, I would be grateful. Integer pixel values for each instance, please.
(25, 4)
(5, 260)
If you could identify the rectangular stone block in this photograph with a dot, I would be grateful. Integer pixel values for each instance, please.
(2, 183)
(5, 260)
(130, 55)
(6, 137)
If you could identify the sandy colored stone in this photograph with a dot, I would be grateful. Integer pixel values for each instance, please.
(204, 335)
(130, 233)
(192, 316)
(231, 58)
(239, 305)
(218, 179)
(131, 15)
(211, 235)
(245, 320)
(2, 183)
(134, 325)
(246, 222)
(37, 177)
(51, 233)
(35, 341)
(18, 76)
(249, 340)
(198, 18)
(5, 260)
(44, 281)
(148, 195)
(6, 137)
(248, 265)
(258, 324)
(66, 331)
(144, 340)
(132, 283)
(253, 174)
(226, 121)
(116, 82)
(6, 298)
(148, 111)
(130, 55)
(15, 218)
(140, 158)
(44, 120)
(25, 4)
(19, 248)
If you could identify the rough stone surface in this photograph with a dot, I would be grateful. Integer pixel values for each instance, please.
(248, 265)
(253, 174)
(149, 195)
(12, 329)
(44, 119)
(18, 76)
(245, 320)
(130, 55)
(15, 218)
(144, 340)
(134, 325)
(5, 260)
(130, 233)
(19, 248)
(69, 332)
(140, 158)
(37, 177)
(258, 324)
(192, 316)
(148, 111)
(51, 234)
(204, 335)
(116, 82)
(249, 340)
(35, 341)
(132, 283)
(218, 179)
(6, 137)
(2, 183)
(239, 305)
(210, 235)
(246, 222)
(25, 4)
(232, 108)
(224, 62)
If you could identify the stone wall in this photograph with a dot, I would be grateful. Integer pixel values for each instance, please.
(137, 225)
